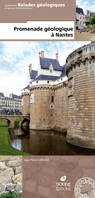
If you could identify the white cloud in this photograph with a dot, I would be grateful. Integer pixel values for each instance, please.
(86, 5)
(16, 56)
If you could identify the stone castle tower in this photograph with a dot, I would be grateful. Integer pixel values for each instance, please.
(42, 92)
(45, 97)
(81, 96)
(65, 101)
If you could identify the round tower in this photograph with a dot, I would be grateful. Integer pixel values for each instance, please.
(81, 96)
(41, 107)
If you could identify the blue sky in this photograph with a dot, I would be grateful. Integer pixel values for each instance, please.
(15, 58)
(86, 5)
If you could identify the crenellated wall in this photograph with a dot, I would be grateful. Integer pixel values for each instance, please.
(10, 174)
(81, 97)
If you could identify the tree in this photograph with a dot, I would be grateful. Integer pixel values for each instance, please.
(92, 20)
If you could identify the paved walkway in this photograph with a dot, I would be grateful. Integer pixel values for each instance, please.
(85, 36)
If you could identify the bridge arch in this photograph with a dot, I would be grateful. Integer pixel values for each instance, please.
(25, 122)
(8, 121)
(25, 125)
(12, 118)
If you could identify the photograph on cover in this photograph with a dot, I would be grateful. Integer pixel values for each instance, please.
(10, 176)
(85, 20)
(47, 98)
(59, 177)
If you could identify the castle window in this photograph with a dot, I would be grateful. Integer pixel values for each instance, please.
(48, 81)
(52, 99)
(32, 98)
(51, 68)
(70, 86)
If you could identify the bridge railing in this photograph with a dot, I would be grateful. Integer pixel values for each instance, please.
(14, 115)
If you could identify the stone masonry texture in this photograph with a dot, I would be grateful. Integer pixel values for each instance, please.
(81, 98)
(41, 114)
(45, 113)
(10, 174)
(61, 106)
(26, 104)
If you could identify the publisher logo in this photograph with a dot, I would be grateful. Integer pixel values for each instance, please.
(63, 184)
(85, 188)
(63, 178)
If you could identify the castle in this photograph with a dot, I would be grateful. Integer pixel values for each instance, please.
(63, 97)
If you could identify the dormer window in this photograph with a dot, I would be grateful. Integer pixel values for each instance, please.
(51, 68)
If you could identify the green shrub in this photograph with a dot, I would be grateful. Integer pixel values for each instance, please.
(16, 123)
(11, 195)
(92, 19)
(92, 28)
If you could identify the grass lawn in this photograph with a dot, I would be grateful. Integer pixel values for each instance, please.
(5, 144)
(3, 123)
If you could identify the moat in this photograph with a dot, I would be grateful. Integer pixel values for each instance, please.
(45, 143)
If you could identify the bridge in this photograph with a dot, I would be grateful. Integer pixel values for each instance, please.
(12, 118)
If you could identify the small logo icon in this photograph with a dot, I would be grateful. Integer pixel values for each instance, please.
(63, 178)
(85, 188)
(63, 184)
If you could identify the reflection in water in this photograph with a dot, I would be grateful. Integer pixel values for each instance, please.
(45, 143)
(17, 144)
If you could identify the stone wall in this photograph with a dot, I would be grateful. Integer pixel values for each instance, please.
(61, 106)
(10, 174)
(81, 97)
(47, 112)
(26, 104)
(41, 107)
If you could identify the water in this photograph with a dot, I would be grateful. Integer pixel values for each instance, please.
(45, 143)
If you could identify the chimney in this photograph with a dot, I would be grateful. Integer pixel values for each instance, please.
(30, 68)
(42, 54)
(57, 56)
(88, 13)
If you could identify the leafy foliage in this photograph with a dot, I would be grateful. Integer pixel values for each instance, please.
(17, 122)
(11, 195)
(92, 19)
